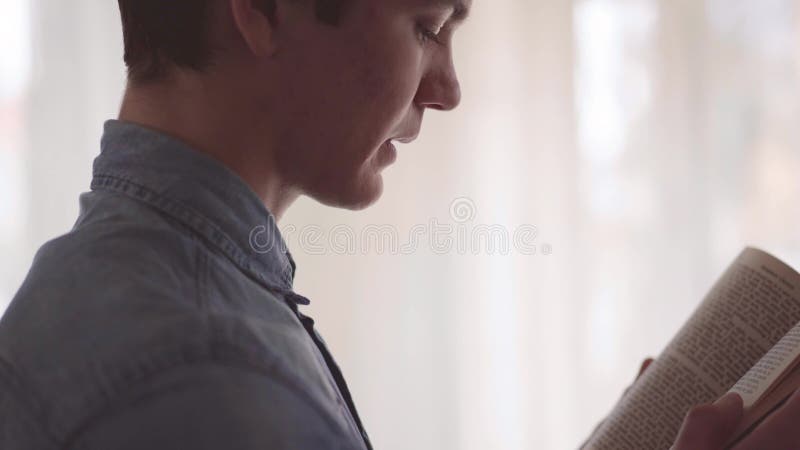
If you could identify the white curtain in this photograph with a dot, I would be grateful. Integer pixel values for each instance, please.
(647, 141)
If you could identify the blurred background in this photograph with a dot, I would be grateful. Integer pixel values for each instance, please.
(647, 141)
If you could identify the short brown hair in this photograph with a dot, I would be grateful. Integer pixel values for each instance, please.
(159, 34)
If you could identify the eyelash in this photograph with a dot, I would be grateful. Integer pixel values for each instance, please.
(426, 35)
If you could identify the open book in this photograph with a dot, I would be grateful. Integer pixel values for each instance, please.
(743, 337)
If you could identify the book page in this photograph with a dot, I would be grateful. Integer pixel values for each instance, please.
(765, 374)
(752, 306)
(768, 383)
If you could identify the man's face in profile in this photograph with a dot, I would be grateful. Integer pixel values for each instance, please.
(352, 87)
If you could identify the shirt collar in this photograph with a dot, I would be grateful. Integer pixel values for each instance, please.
(198, 191)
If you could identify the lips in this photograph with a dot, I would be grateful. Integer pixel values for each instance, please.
(408, 137)
(388, 153)
(406, 140)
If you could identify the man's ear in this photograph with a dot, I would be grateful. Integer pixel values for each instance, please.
(254, 19)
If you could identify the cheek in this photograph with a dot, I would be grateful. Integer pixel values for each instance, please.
(391, 76)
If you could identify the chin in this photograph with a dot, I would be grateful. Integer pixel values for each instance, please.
(359, 194)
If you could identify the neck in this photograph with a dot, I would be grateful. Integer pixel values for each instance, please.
(192, 109)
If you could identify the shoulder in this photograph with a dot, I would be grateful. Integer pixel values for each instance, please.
(103, 279)
(131, 298)
(117, 242)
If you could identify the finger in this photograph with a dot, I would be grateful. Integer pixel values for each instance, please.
(779, 430)
(645, 364)
(710, 426)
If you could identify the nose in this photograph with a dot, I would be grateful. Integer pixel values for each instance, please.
(439, 88)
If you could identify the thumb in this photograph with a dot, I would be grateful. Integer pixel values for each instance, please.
(710, 426)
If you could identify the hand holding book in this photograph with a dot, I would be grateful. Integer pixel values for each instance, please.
(710, 426)
(716, 426)
(743, 337)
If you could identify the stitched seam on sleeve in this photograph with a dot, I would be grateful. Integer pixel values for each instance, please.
(111, 406)
(26, 398)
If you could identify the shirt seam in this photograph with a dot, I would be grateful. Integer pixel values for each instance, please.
(201, 291)
(28, 400)
(218, 350)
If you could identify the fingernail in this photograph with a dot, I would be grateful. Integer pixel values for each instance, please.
(728, 400)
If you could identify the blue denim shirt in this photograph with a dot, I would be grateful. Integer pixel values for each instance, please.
(166, 319)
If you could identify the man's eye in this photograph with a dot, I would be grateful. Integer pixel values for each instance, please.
(426, 34)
